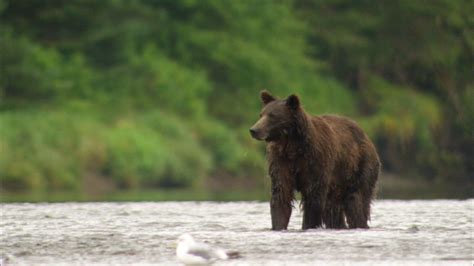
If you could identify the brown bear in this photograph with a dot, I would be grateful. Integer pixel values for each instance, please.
(327, 158)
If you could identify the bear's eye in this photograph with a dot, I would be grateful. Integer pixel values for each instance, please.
(271, 115)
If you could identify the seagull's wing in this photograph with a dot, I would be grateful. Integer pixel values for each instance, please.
(201, 250)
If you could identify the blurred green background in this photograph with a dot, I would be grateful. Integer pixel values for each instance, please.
(152, 100)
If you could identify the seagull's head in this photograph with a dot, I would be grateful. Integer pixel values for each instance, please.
(185, 239)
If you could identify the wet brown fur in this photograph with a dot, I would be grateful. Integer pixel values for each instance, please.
(328, 158)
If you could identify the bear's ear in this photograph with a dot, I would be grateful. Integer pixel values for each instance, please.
(293, 102)
(266, 97)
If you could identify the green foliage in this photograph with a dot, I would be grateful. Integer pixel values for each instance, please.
(31, 73)
(36, 151)
(139, 155)
(401, 113)
(53, 150)
(161, 93)
(403, 120)
(153, 80)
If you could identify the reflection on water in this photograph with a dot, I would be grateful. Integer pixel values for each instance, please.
(402, 232)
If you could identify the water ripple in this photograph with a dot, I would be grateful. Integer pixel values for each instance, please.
(402, 232)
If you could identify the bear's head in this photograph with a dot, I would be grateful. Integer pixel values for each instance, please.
(277, 117)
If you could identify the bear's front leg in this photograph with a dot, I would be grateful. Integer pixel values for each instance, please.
(280, 212)
(312, 213)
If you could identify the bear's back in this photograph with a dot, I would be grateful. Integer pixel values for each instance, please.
(345, 129)
(351, 144)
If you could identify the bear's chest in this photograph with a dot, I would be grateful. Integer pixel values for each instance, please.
(288, 165)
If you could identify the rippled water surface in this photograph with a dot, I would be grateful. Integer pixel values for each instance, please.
(402, 232)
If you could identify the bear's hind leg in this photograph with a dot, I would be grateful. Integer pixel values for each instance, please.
(357, 211)
(357, 204)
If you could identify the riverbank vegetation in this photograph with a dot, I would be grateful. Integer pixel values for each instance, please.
(100, 96)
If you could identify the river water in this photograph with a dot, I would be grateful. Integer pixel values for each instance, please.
(436, 232)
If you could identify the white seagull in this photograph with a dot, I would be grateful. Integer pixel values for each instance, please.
(191, 252)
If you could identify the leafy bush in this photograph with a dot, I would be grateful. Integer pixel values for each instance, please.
(55, 150)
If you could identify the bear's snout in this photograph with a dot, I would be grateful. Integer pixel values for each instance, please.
(254, 133)
(257, 133)
(259, 130)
